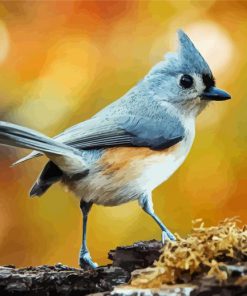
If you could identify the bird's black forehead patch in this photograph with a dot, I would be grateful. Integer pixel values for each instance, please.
(208, 80)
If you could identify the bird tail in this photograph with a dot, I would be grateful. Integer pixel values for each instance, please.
(19, 136)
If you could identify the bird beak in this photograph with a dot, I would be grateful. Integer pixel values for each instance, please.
(215, 94)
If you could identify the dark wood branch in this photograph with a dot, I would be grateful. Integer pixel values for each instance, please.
(64, 280)
(136, 256)
(59, 280)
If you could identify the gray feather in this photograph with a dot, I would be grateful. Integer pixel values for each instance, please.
(18, 136)
(125, 131)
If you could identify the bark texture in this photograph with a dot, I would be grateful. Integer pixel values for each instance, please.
(113, 279)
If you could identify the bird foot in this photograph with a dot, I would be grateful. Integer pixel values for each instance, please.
(167, 235)
(86, 262)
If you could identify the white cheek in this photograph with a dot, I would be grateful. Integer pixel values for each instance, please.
(198, 83)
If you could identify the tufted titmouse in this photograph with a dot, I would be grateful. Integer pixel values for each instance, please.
(131, 146)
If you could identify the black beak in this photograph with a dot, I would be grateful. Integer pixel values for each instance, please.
(215, 94)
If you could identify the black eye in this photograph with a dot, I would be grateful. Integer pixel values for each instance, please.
(186, 81)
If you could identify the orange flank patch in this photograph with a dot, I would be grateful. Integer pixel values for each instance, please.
(117, 158)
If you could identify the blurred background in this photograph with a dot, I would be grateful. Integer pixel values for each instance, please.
(60, 62)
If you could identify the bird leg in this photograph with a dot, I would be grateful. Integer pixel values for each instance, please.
(147, 205)
(85, 260)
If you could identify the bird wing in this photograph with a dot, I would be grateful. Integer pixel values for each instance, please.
(125, 130)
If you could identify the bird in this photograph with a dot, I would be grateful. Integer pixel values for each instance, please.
(131, 146)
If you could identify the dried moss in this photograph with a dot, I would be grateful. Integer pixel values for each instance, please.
(204, 252)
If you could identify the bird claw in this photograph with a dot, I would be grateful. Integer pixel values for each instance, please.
(167, 235)
(86, 262)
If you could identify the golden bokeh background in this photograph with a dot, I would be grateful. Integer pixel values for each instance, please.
(60, 62)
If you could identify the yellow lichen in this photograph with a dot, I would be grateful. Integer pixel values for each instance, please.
(202, 252)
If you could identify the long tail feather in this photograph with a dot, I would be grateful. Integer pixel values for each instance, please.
(65, 157)
(31, 155)
(19, 136)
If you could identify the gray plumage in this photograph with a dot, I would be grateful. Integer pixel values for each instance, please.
(19, 136)
(132, 145)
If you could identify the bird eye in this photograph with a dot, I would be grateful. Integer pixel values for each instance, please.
(186, 81)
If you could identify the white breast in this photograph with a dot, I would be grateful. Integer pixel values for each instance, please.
(158, 169)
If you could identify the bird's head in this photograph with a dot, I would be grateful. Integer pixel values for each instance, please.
(185, 79)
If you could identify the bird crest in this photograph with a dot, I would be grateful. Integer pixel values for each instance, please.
(187, 59)
(189, 56)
